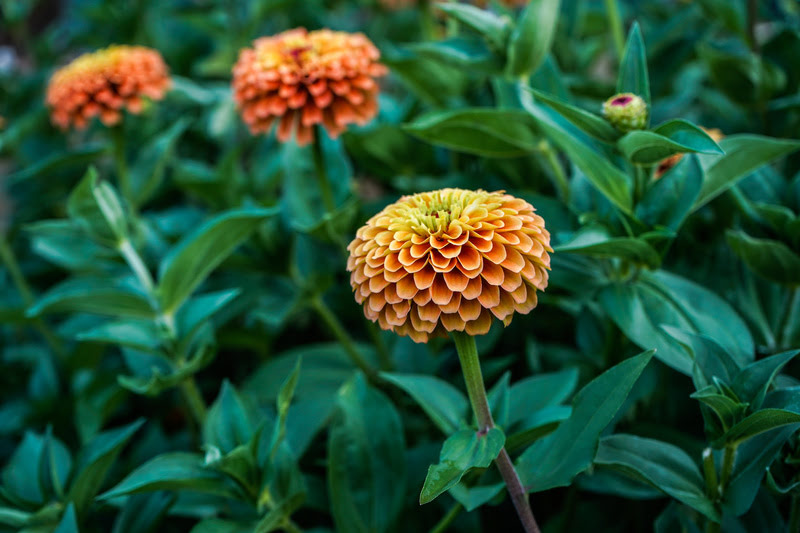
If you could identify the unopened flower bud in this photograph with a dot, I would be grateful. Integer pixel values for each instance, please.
(626, 112)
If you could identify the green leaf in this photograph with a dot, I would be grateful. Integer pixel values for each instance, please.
(230, 421)
(196, 310)
(462, 451)
(591, 124)
(490, 26)
(752, 382)
(536, 425)
(727, 409)
(659, 464)
(445, 405)
(282, 404)
(151, 161)
(770, 259)
(473, 497)
(143, 512)
(633, 77)
(532, 37)
(49, 166)
(95, 207)
(172, 471)
(481, 131)
(137, 334)
(743, 155)
(69, 522)
(498, 397)
(198, 254)
(467, 52)
(366, 465)
(93, 296)
(13, 517)
(95, 460)
(758, 422)
(275, 519)
(156, 381)
(669, 200)
(36, 471)
(555, 460)
(534, 393)
(712, 360)
(597, 243)
(607, 178)
(673, 137)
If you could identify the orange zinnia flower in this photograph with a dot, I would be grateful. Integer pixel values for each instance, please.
(449, 260)
(666, 164)
(105, 82)
(306, 78)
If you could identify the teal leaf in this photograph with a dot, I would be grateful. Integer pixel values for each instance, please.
(482, 131)
(597, 243)
(673, 137)
(95, 206)
(462, 451)
(757, 423)
(491, 27)
(669, 200)
(95, 296)
(532, 37)
(662, 465)
(555, 460)
(143, 512)
(198, 254)
(539, 392)
(444, 404)
(752, 383)
(69, 521)
(633, 77)
(231, 421)
(591, 124)
(768, 258)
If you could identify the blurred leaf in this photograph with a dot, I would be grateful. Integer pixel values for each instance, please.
(200, 308)
(198, 254)
(94, 206)
(172, 471)
(69, 522)
(661, 465)
(597, 243)
(38, 465)
(143, 513)
(540, 391)
(444, 404)
(95, 460)
(770, 259)
(633, 77)
(137, 334)
(532, 37)
(758, 422)
(669, 200)
(490, 26)
(88, 295)
(673, 137)
(743, 154)
(555, 460)
(752, 383)
(366, 468)
(49, 165)
(230, 421)
(461, 452)
(151, 160)
(473, 497)
(481, 131)
(593, 125)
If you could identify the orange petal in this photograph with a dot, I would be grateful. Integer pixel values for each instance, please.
(492, 273)
(456, 281)
(440, 294)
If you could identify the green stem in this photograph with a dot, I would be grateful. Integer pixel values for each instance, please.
(790, 318)
(134, 260)
(447, 519)
(428, 24)
(194, 400)
(18, 278)
(384, 358)
(123, 176)
(476, 390)
(728, 460)
(710, 471)
(794, 516)
(341, 335)
(641, 177)
(615, 21)
(322, 172)
(560, 179)
(752, 20)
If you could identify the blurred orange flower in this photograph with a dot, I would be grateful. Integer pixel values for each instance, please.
(449, 260)
(306, 78)
(666, 164)
(104, 83)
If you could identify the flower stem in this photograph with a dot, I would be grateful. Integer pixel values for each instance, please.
(476, 390)
(123, 176)
(559, 177)
(197, 406)
(728, 460)
(447, 519)
(8, 258)
(322, 172)
(615, 21)
(341, 335)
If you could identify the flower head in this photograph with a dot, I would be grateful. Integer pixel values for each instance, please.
(626, 112)
(104, 83)
(666, 164)
(301, 78)
(449, 260)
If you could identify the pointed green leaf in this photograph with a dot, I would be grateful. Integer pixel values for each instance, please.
(633, 77)
(596, 243)
(445, 405)
(231, 421)
(69, 521)
(669, 200)
(95, 206)
(93, 296)
(770, 259)
(758, 422)
(591, 124)
(673, 137)
(752, 382)
(532, 37)
(490, 26)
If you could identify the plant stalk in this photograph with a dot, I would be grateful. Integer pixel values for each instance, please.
(344, 339)
(615, 22)
(560, 179)
(8, 258)
(123, 176)
(728, 460)
(197, 406)
(134, 261)
(476, 390)
(790, 318)
(322, 173)
(447, 519)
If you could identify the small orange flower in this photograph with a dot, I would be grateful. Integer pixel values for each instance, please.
(104, 83)
(449, 260)
(306, 78)
(666, 164)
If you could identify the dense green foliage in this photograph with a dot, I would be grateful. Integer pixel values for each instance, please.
(185, 354)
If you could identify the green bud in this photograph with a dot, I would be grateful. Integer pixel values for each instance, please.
(626, 112)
